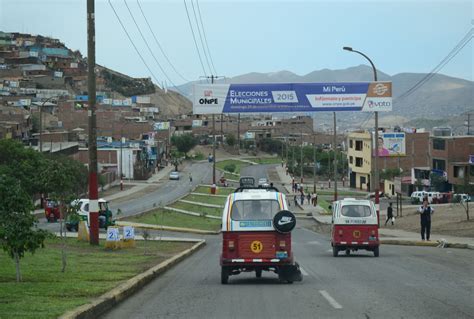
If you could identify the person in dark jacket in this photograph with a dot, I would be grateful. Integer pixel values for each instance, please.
(389, 214)
(425, 218)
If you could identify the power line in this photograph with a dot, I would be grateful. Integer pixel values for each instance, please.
(200, 37)
(148, 46)
(205, 37)
(159, 45)
(194, 38)
(133, 44)
(461, 44)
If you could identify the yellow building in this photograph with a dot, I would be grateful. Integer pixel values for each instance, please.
(360, 160)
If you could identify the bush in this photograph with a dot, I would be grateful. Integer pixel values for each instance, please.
(231, 140)
(230, 168)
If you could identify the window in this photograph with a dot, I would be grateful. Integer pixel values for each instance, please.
(351, 144)
(86, 207)
(358, 146)
(359, 162)
(254, 209)
(439, 164)
(439, 144)
(351, 159)
(355, 211)
(458, 171)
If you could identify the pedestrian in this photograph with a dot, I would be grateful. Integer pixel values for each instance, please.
(389, 214)
(295, 200)
(308, 197)
(315, 199)
(302, 198)
(282, 163)
(425, 219)
(190, 178)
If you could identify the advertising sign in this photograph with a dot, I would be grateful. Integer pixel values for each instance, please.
(128, 232)
(390, 144)
(292, 97)
(113, 234)
(161, 126)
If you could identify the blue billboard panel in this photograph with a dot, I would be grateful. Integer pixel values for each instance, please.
(292, 97)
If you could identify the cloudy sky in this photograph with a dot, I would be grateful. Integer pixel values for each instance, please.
(257, 36)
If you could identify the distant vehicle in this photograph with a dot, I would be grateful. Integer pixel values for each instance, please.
(174, 176)
(51, 210)
(263, 182)
(256, 234)
(417, 197)
(354, 226)
(82, 206)
(462, 197)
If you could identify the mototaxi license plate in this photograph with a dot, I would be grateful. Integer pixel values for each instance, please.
(281, 254)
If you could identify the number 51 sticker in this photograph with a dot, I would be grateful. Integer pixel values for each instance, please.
(256, 246)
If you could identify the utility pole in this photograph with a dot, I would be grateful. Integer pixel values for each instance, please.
(301, 156)
(238, 131)
(335, 158)
(468, 123)
(91, 92)
(213, 189)
(314, 163)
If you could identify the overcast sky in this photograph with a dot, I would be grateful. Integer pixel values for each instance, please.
(259, 36)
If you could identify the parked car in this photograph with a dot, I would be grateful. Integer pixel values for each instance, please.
(174, 175)
(461, 197)
(417, 197)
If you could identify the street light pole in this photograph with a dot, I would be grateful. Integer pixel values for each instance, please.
(301, 156)
(41, 121)
(376, 146)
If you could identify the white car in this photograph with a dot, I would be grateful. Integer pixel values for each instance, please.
(463, 197)
(174, 176)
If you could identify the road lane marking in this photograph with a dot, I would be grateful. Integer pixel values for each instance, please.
(303, 271)
(330, 299)
(313, 242)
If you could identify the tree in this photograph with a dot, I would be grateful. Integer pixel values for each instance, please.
(184, 143)
(230, 167)
(18, 230)
(230, 139)
(65, 180)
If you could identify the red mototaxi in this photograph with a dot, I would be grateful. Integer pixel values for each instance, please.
(354, 226)
(51, 210)
(250, 241)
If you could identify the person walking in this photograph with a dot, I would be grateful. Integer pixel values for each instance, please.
(302, 198)
(295, 200)
(389, 214)
(190, 178)
(425, 219)
(308, 197)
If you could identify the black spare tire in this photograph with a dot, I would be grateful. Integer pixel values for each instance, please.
(284, 221)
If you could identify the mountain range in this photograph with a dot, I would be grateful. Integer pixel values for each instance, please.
(441, 97)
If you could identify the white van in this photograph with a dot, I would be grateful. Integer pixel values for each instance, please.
(418, 196)
(432, 196)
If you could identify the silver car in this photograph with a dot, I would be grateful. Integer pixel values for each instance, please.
(174, 176)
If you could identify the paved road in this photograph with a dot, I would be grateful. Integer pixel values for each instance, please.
(163, 195)
(404, 282)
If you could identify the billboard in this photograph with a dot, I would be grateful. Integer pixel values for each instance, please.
(197, 123)
(161, 126)
(292, 97)
(390, 144)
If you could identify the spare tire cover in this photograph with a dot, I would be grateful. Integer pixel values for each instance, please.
(284, 221)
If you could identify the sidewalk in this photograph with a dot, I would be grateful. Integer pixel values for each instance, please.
(400, 237)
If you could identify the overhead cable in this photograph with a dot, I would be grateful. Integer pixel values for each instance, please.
(159, 45)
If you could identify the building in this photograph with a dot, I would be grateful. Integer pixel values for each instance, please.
(451, 159)
(402, 151)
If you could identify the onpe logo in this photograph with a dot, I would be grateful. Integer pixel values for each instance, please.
(380, 89)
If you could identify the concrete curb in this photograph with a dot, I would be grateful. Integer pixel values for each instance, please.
(402, 242)
(211, 195)
(168, 228)
(200, 204)
(108, 300)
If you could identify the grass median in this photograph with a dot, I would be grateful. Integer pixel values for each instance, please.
(46, 292)
(169, 218)
(206, 199)
(265, 160)
(238, 165)
(198, 208)
(220, 190)
(325, 204)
